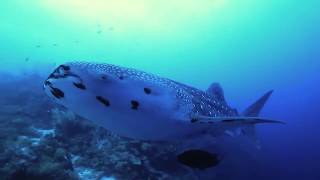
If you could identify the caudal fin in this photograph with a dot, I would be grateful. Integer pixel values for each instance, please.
(255, 109)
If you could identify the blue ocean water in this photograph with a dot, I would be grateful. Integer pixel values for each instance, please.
(249, 47)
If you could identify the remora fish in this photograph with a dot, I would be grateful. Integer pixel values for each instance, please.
(143, 106)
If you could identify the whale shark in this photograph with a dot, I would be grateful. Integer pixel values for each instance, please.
(144, 106)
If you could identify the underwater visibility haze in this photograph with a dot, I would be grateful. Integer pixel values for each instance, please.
(181, 89)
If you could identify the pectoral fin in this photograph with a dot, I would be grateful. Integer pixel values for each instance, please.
(234, 120)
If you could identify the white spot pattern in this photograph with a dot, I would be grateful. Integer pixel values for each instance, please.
(201, 103)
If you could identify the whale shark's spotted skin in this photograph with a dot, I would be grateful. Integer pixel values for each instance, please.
(144, 106)
(202, 103)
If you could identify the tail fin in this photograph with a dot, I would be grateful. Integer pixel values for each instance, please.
(254, 111)
(255, 108)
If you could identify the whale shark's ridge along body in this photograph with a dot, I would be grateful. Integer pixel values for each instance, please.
(202, 103)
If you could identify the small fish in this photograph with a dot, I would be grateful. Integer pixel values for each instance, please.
(144, 106)
(111, 28)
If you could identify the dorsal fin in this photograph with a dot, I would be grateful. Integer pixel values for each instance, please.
(255, 108)
(216, 90)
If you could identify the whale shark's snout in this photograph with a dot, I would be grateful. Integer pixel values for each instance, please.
(49, 84)
(56, 82)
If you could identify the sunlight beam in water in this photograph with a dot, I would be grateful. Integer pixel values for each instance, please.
(149, 15)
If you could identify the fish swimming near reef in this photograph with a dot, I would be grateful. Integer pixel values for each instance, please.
(143, 106)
